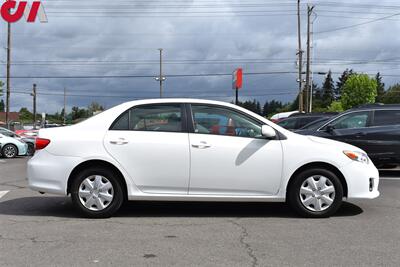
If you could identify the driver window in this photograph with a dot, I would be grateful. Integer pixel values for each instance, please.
(352, 121)
(221, 121)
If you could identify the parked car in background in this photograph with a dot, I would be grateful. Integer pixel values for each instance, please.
(279, 116)
(29, 140)
(195, 150)
(27, 133)
(11, 147)
(313, 125)
(374, 128)
(300, 120)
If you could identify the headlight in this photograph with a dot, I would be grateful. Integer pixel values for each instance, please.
(357, 156)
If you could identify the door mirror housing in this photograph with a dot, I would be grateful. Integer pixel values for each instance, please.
(268, 132)
(330, 128)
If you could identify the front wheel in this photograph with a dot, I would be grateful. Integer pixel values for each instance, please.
(316, 193)
(97, 193)
(9, 151)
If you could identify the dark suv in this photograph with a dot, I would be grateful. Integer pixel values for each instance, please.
(374, 128)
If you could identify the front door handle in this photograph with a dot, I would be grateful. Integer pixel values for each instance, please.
(119, 141)
(201, 145)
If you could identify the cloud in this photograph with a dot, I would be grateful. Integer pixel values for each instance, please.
(197, 32)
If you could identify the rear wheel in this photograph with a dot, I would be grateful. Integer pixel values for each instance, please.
(9, 151)
(97, 193)
(316, 193)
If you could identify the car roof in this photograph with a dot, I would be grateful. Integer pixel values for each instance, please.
(376, 106)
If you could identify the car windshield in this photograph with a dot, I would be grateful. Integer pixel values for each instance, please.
(315, 124)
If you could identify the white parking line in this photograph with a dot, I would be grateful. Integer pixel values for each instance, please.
(3, 193)
(2, 161)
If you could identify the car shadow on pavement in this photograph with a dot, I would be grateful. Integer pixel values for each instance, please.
(62, 207)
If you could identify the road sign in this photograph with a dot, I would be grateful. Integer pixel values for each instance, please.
(237, 79)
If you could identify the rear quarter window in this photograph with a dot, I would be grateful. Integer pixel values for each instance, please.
(386, 117)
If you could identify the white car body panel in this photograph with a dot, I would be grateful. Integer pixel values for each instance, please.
(169, 160)
(234, 165)
(165, 166)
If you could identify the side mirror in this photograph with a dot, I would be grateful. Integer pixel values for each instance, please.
(330, 128)
(268, 132)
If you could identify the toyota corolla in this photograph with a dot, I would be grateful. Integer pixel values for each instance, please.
(195, 150)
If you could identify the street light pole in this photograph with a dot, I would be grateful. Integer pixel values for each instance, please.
(34, 105)
(308, 89)
(8, 93)
(160, 78)
(300, 58)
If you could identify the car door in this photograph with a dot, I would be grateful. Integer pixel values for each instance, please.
(152, 144)
(229, 156)
(351, 128)
(384, 136)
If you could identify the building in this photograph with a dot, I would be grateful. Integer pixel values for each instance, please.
(12, 116)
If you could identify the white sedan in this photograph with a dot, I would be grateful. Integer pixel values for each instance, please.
(11, 147)
(195, 150)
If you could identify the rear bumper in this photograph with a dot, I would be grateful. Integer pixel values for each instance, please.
(362, 180)
(48, 173)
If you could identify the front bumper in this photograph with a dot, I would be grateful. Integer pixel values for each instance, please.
(22, 149)
(362, 180)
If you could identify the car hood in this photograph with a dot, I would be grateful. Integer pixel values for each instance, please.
(333, 143)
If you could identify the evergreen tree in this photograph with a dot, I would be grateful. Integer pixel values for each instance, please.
(328, 90)
(340, 83)
(392, 95)
(2, 105)
(380, 89)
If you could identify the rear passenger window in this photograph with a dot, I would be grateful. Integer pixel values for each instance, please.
(386, 117)
(159, 118)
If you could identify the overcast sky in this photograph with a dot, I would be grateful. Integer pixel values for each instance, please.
(121, 37)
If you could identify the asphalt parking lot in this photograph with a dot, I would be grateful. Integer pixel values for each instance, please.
(45, 230)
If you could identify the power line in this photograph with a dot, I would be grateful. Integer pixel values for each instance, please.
(358, 24)
(149, 76)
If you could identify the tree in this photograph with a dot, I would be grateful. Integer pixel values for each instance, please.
(328, 90)
(340, 83)
(78, 113)
(271, 107)
(335, 106)
(2, 105)
(93, 107)
(392, 95)
(380, 88)
(359, 89)
(25, 114)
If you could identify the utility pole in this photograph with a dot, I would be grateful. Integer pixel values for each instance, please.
(65, 104)
(160, 78)
(34, 105)
(8, 72)
(300, 58)
(308, 86)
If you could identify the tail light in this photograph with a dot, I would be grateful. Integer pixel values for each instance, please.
(41, 143)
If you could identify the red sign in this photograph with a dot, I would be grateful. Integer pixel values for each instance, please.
(9, 15)
(237, 79)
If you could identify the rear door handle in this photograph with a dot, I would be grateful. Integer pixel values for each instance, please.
(119, 141)
(201, 145)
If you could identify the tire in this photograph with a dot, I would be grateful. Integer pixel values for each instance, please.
(91, 191)
(31, 149)
(9, 151)
(315, 193)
